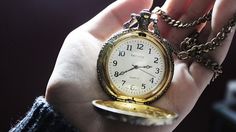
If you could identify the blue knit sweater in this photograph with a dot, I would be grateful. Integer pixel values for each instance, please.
(43, 118)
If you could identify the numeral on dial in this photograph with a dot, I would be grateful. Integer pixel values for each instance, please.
(156, 59)
(116, 74)
(115, 62)
(121, 53)
(129, 47)
(140, 46)
(143, 86)
(132, 87)
(123, 82)
(151, 80)
(149, 51)
(157, 70)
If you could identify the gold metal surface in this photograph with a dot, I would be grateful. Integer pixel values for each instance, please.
(135, 113)
(102, 66)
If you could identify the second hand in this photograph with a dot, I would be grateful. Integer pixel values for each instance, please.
(147, 73)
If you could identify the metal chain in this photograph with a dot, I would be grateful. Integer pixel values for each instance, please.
(190, 49)
(175, 23)
(210, 45)
(198, 51)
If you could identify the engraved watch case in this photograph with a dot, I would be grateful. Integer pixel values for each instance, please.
(149, 66)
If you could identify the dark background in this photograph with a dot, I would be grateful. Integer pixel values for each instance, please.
(31, 34)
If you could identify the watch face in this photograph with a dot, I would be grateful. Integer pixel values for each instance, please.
(135, 66)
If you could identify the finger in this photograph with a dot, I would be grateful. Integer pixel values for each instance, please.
(112, 18)
(204, 33)
(220, 17)
(222, 12)
(173, 8)
(194, 10)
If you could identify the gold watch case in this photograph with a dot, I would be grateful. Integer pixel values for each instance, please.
(134, 109)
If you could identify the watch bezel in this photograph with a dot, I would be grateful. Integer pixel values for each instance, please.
(102, 66)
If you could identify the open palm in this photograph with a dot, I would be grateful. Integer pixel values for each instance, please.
(73, 83)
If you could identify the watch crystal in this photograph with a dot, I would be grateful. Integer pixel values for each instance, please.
(136, 66)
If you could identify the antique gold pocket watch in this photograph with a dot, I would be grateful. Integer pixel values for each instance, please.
(135, 67)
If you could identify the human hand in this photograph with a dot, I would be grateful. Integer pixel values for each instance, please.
(73, 84)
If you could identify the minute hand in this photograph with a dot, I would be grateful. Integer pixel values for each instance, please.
(147, 73)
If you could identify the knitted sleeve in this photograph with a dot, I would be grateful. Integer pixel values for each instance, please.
(43, 118)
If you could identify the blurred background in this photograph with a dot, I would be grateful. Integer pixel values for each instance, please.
(31, 35)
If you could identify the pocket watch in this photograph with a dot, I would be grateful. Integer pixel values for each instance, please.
(135, 67)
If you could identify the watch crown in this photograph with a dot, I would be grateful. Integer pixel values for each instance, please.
(144, 19)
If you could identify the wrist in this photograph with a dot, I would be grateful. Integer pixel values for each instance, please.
(43, 117)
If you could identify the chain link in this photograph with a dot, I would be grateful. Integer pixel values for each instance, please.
(214, 43)
(190, 48)
(175, 23)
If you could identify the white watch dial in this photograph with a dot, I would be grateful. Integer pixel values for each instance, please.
(136, 66)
